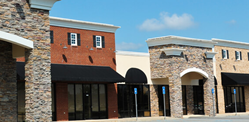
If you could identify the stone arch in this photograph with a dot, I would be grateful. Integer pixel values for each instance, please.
(17, 40)
(197, 70)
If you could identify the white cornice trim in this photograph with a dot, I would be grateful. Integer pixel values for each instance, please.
(42, 4)
(228, 43)
(210, 54)
(14, 39)
(179, 41)
(69, 23)
(128, 53)
(173, 51)
(194, 69)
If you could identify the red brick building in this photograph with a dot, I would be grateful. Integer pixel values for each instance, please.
(83, 71)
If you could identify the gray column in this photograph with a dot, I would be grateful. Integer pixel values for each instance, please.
(8, 84)
(208, 97)
(190, 99)
(175, 90)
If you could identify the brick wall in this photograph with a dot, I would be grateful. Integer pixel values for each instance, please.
(81, 55)
(112, 101)
(229, 65)
(61, 102)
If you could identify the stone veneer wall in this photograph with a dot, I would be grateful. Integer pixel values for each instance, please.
(18, 18)
(163, 66)
(190, 99)
(229, 65)
(8, 84)
(154, 103)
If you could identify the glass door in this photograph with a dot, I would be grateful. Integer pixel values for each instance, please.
(184, 100)
(87, 101)
(198, 100)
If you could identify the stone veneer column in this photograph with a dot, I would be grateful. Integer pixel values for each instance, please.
(154, 104)
(208, 97)
(38, 72)
(8, 84)
(190, 99)
(246, 91)
(175, 90)
(221, 99)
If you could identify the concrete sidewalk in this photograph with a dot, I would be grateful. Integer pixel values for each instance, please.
(161, 118)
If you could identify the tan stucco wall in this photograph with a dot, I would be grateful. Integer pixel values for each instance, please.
(125, 62)
(229, 65)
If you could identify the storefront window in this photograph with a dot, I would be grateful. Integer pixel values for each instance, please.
(160, 99)
(87, 101)
(126, 100)
(230, 101)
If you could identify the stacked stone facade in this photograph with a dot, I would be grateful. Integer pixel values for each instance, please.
(33, 24)
(8, 84)
(154, 104)
(163, 66)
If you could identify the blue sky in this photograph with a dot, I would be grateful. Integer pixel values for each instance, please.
(143, 19)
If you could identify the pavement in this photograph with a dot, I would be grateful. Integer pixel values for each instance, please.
(228, 117)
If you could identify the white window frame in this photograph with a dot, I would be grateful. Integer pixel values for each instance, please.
(100, 40)
(237, 53)
(72, 39)
(225, 56)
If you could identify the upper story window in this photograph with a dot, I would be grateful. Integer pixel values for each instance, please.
(225, 54)
(238, 55)
(248, 56)
(51, 37)
(98, 41)
(73, 39)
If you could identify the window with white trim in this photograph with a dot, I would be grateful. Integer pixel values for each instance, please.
(225, 54)
(73, 39)
(98, 42)
(238, 55)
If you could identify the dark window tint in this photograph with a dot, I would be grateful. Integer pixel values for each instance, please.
(51, 37)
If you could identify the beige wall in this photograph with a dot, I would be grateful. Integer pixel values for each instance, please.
(229, 65)
(133, 60)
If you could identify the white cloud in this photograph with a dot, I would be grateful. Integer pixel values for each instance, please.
(231, 22)
(166, 21)
(128, 46)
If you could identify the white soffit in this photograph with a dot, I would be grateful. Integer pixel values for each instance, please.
(42, 4)
(14, 39)
(228, 43)
(179, 41)
(128, 53)
(197, 70)
(69, 23)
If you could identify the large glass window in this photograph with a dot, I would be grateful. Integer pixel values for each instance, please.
(126, 100)
(160, 99)
(87, 101)
(230, 101)
(21, 101)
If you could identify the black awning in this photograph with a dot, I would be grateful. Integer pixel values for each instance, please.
(135, 75)
(235, 79)
(63, 72)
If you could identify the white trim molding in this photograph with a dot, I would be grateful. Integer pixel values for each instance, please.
(197, 70)
(69, 23)
(17, 40)
(42, 4)
(210, 54)
(228, 43)
(132, 53)
(173, 51)
(180, 41)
